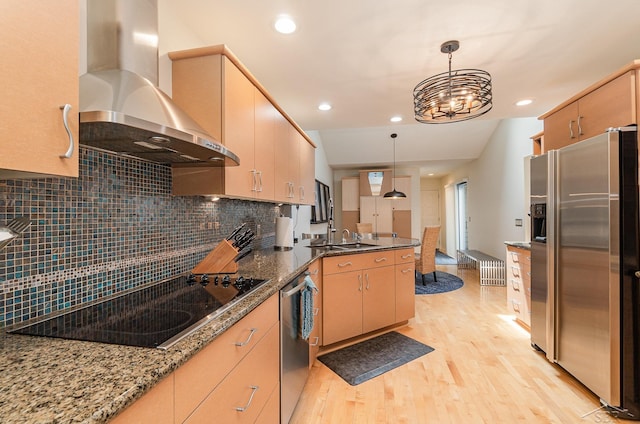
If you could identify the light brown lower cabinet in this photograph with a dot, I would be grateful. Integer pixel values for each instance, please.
(315, 338)
(242, 395)
(240, 369)
(360, 295)
(519, 284)
(405, 284)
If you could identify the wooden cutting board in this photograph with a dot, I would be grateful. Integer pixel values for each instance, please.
(219, 260)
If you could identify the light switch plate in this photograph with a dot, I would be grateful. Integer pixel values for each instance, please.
(518, 222)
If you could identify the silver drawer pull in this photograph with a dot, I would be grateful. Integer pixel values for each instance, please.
(244, 408)
(407, 256)
(316, 341)
(345, 264)
(515, 305)
(515, 285)
(404, 271)
(246, 342)
(316, 311)
(378, 260)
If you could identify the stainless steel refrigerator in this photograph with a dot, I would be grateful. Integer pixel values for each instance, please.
(591, 292)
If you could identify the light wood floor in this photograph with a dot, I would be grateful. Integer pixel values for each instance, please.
(483, 370)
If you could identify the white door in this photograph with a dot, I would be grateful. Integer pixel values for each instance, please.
(450, 221)
(461, 206)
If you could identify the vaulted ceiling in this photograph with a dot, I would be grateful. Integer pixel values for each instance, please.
(365, 57)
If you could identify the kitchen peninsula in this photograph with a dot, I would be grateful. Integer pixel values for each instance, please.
(55, 380)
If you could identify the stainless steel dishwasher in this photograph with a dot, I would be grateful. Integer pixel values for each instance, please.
(294, 350)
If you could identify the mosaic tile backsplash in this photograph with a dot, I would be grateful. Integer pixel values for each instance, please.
(114, 228)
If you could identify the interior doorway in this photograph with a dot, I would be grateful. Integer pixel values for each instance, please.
(430, 207)
(449, 220)
(461, 216)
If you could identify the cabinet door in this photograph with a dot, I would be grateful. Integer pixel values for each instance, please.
(350, 194)
(378, 299)
(402, 223)
(284, 153)
(560, 128)
(384, 216)
(307, 179)
(39, 68)
(238, 129)
(611, 105)
(264, 151)
(405, 291)
(368, 210)
(342, 302)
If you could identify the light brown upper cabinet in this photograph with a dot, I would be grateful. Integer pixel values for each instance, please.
(39, 69)
(611, 102)
(277, 161)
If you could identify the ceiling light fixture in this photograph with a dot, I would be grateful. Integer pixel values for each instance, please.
(324, 106)
(285, 25)
(524, 102)
(452, 96)
(394, 194)
(395, 119)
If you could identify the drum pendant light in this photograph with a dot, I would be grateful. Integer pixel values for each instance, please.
(452, 96)
(394, 194)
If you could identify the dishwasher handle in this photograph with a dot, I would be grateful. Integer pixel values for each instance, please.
(296, 289)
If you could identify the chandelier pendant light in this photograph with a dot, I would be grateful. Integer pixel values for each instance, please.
(394, 194)
(452, 96)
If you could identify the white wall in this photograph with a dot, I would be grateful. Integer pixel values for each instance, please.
(496, 186)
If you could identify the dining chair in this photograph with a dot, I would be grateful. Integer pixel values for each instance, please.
(426, 262)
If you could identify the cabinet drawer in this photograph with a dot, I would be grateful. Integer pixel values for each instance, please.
(345, 263)
(516, 307)
(202, 373)
(271, 412)
(248, 386)
(378, 259)
(403, 256)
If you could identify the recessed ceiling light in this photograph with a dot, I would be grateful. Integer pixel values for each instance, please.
(324, 106)
(431, 174)
(396, 118)
(524, 102)
(285, 25)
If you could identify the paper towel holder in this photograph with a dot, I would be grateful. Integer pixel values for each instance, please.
(284, 241)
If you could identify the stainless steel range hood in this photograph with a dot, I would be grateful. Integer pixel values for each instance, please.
(121, 108)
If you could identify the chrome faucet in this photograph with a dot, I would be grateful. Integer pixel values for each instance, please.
(330, 230)
(344, 240)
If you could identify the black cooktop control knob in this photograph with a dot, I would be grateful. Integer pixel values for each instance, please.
(191, 279)
(216, 280)
(226, 280)
(204, 280)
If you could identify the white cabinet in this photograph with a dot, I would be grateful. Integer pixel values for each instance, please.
(378, 211)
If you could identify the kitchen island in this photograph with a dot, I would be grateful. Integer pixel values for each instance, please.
(49, 380)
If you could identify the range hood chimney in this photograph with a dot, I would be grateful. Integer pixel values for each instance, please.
(121, 108)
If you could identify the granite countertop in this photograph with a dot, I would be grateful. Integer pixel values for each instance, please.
(520, 244)
(49, 380)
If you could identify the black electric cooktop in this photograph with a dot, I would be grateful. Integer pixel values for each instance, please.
(155, 316)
